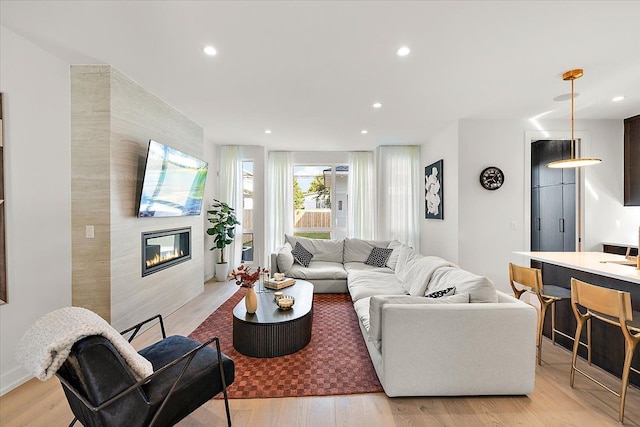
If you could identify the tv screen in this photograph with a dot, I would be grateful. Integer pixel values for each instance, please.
(173, 183)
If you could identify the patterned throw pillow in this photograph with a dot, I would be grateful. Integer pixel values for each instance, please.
(442, 293)
(301, 255)
(378, 257)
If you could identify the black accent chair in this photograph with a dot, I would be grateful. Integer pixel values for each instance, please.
(102, 391)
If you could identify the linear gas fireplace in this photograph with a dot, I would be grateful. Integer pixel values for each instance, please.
(165, 248)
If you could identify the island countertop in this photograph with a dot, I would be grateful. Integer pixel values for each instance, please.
(591, 262)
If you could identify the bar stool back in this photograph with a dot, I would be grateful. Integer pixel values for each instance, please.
(611, 306)
(527, 279)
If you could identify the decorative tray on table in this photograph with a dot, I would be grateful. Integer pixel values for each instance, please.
(279, 284)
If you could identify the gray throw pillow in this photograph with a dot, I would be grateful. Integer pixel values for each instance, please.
(378, 257)
(301, 255)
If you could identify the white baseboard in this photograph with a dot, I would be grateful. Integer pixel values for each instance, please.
(13, 379)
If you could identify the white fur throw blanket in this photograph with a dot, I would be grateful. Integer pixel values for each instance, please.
(47, 344)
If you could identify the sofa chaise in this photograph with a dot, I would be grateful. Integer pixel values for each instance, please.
(431, 328)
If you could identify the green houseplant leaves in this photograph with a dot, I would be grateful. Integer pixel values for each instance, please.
(224, 222)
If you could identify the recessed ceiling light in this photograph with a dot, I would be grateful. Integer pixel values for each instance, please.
(403, 51)
(210, 50)
(267, 131)
(364, 131)
(377, 105)
(617, 98)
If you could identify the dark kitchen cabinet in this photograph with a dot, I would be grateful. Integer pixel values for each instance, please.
(632, 161)
(569, 216)
(550, 218)
(553, 198)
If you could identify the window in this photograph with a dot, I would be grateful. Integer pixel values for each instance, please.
(320, 201)
(247, 214)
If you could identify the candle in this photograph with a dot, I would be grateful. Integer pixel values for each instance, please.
(285, 302)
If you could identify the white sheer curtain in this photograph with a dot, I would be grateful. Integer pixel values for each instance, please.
(362, 196)
(279, 198)
(399, 194)
(230, 192)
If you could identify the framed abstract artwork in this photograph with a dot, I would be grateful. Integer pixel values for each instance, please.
(433, 191)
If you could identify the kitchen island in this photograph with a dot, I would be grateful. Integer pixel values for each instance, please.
(598, 268)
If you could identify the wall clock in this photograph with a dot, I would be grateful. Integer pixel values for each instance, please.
(491, 178)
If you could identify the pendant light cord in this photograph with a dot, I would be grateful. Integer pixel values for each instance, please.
(572, 120)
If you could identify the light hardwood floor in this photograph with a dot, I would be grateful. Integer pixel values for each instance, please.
(553, 403)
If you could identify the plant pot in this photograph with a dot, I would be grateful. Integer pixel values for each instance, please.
(222, 271)
(251, 301)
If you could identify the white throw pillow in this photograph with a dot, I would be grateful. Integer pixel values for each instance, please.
(377, 302)
(479, 288)
(406, 254)
(419, 271)
(285, 258)
(393, 258)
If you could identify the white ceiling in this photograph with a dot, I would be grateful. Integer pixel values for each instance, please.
(310, 70)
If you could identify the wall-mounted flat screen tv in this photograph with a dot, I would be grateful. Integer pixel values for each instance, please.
(173, 183)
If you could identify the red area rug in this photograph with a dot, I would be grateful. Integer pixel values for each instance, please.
(336, 361)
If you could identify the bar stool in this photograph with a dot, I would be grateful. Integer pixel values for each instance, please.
(531, 280)
(611, 306)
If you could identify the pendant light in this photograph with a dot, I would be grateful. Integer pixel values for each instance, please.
(573, 162)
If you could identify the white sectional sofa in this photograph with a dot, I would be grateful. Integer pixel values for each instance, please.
(466, 338)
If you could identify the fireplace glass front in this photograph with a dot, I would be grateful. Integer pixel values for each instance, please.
(164, 249)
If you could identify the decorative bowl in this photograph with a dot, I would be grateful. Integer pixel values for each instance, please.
(285, 302)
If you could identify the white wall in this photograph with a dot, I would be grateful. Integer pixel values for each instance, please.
(606, 217)
(440, 237)
(487, 239)
(320, 157)
(35, 88)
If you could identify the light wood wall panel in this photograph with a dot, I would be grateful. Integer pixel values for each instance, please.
(90, 188)
(135, 116)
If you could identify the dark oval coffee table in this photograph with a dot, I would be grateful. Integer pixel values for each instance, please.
(270, 331)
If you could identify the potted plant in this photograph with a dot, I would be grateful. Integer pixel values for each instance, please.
(224, 222)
